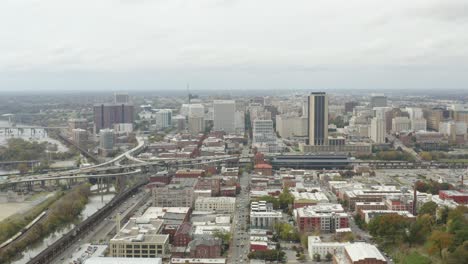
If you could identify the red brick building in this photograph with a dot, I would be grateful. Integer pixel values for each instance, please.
(210, 248)
(259, 158)
(182, 236)
(325, 218)
(264, 169)
(459, 197)
(161, 177)
(187, 173)
(258, 246)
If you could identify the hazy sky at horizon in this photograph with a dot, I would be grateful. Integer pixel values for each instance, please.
(233, 44)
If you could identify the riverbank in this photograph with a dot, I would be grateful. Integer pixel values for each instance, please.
(61, 212)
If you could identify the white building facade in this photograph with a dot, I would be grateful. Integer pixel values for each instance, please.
(224, 112)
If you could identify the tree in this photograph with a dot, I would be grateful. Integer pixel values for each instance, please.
(270, 255)
(427, 156)
(390, 229)
(270, 199)
(442, 215)
(329, 256)
(428, 208)
(349, 237)
(78, 162)
(286, 231)
(460, 255)
(438, 241)
(420, 229)
(317, 257)
(285, 198)
(305, 240)
(456, 220)
(23, 168)
(224, 236)
(301, 257)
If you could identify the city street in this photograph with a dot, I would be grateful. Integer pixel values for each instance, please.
(240, 224)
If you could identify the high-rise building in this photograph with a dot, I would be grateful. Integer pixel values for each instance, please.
(178, 122)
(196, 124)
(106, 115)
(224, 115)
(414, 113)
(378, 100)
(418, 124)
(318, 118)
(163, 118)
(378, 130)
(401, 124)
(263, 131)
(121, 98)
(80, 137)
(349, 106)
(291, 126)
(75, 123)
(196, 110)
(196, 118)
(106, 141)
(240, 122)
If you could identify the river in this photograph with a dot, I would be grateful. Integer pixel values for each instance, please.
(93, 205)
(39, 135)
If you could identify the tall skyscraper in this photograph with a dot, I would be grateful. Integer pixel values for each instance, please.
(378, 100)
(106, 115)
(263, 131)
(378, 130)
(224, 115)
(121, 98)
(318, 118)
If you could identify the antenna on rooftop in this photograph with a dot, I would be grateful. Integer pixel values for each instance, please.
(188, 93)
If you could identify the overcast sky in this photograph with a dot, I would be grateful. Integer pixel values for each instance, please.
(233, 44)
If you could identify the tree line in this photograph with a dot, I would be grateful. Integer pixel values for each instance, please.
(63, 211)
(442, 233)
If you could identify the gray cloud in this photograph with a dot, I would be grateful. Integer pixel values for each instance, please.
(233, 38)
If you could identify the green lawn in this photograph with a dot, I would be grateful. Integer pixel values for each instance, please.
(416, 258)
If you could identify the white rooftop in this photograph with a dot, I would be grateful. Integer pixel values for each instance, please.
(317, 196)
(194, 260)
(113, 260)
(159, 212)
(221, 199)
(362, 251)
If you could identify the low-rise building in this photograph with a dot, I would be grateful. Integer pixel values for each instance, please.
(216, 204)
(262, 215)
(457, 196)
(205, 248)
(362, 253)
(264, 169)
(368, 215)
(198, 261)
(189, 173)
(182, 236)
(179, 193)
(302, 199)
(359, 206)
(140, 238)
(316, 246)
(323, 217)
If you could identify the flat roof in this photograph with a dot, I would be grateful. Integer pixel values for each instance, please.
(194, 260)
(362, 251)
(113, 260)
